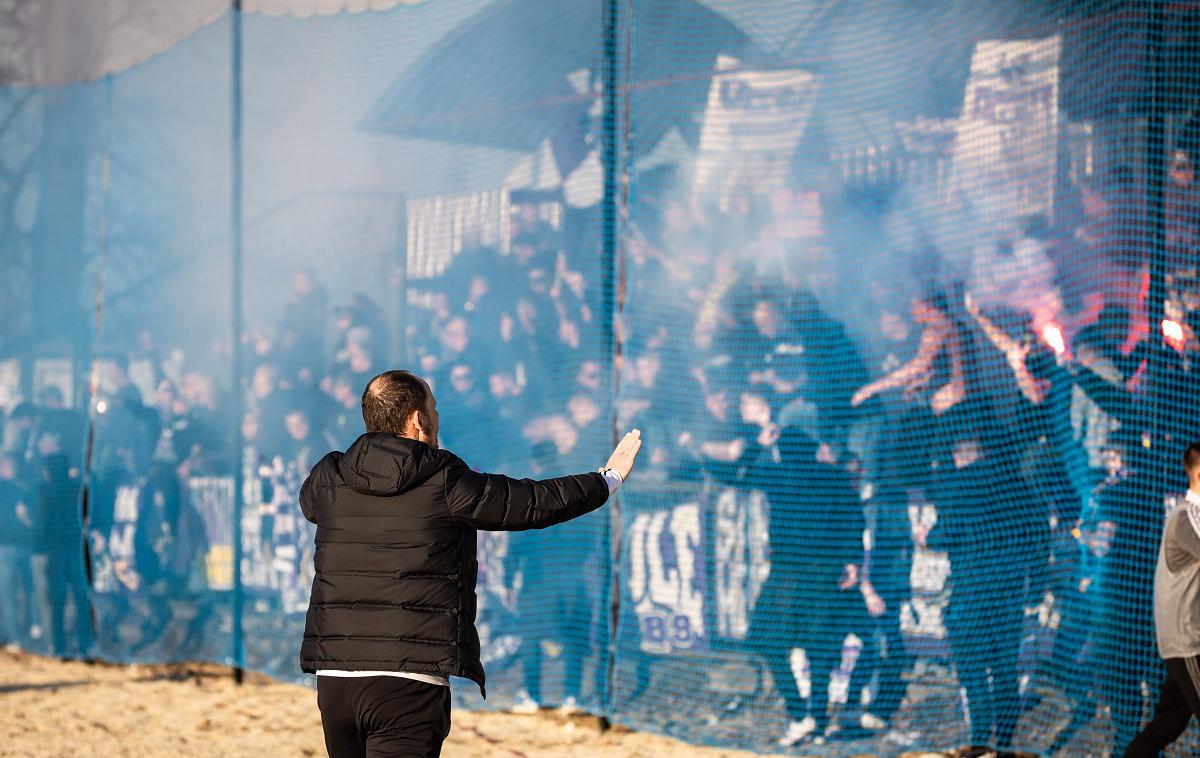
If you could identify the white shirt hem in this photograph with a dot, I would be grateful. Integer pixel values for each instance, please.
(441, 681)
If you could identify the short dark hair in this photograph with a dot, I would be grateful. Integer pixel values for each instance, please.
(390, 398)
(1191, 457)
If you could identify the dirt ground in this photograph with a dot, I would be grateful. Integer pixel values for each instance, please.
(50, 707)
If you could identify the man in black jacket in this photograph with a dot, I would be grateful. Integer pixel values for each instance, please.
(392, 611)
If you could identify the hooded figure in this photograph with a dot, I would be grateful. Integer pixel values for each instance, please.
(812, 598)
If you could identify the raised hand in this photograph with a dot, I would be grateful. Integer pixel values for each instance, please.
(862, 395)
(625, 454)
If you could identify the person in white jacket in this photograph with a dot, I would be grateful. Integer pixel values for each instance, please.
(1177, 619)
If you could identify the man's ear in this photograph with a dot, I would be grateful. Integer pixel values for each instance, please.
(414, 424)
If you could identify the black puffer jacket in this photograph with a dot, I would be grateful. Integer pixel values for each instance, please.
(394, 588)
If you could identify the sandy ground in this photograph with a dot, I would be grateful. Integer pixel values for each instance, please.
(50, 707)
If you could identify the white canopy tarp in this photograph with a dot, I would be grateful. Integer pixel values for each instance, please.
(49, 42)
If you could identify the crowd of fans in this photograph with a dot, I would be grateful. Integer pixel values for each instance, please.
(1021, 391)
(1023, 396)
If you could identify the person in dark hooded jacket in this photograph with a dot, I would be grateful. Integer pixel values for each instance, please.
(392, 610)
(812, 597)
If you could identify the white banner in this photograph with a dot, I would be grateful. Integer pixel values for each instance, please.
(1005, 155)
(212, 499)
(114, 555)
(440, 227)
(498, 591)
(278, 543)
(752, 124)
(742, 563)
(666, 578)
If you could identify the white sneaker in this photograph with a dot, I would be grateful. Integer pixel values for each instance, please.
(902, 738)
(570, 707)
(798, 730)
(524, 704)
(871, 722)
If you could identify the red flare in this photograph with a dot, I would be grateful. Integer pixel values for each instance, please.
(1053, 337)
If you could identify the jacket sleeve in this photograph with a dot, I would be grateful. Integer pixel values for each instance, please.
(497, 503)
(308, 494)
(306, 499)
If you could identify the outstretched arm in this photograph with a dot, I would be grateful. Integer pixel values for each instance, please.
(1015, 352)
(932, 339)
(498, 503)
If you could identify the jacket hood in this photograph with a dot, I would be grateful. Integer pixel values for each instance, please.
(383, 464)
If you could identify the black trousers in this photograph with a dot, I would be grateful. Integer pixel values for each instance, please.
(1178, 701)
(780, 624)
(985, 639)
(380, 716)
